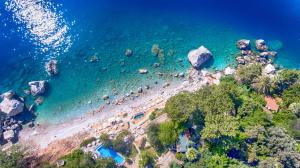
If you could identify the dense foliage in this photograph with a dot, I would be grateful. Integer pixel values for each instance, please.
(15, 158)
(235, 127)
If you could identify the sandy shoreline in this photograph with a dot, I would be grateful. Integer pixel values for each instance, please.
(41, 137)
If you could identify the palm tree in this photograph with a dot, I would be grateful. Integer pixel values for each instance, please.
(262, 84)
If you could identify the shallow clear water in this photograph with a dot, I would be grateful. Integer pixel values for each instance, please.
(107, 28)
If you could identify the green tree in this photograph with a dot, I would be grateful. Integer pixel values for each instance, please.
(168, 133)
(284, 79)
(217, 102)
(262, 84)
(291, 95)
(246, 74)
(295, 108)
(191, 154)
(219, 125)
(153, 138)
(180, 107)
(146, 158)
(270, 162)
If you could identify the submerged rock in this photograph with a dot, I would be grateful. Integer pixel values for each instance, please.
(156, 50)
(261, 45)
(243, 44)
(11, 107)
(37, 87)
(105, 97)
(128, 52)
(156, 65)
(51, 67)
(199, 56)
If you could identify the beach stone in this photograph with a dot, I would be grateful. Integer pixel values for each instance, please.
(11, 107)
(269, 69)
(128, 52)
(243, 44)
(180, 60)
(143, 71)
(8, 95)
(140, 90)
(147, 87)
(261, 45)
(51, 67)
(166, 85)
(8, 135)
(176, 75)
(105, 97)
(37, 87)
(229, 71)
(181, 74)
(199, 56)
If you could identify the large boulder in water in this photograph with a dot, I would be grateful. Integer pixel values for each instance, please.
(11, 107)
(51, 67)
(37, 87)
(199, 56)
(243, 44)
(261, 45)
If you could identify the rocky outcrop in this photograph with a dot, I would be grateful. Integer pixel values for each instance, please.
(37, 87)
(11, 107)
(8, 95)
(261, 45)
(269, 69)
(51, 67)
(229, 71)
(199, 56)
(243, 44)
(8, 135)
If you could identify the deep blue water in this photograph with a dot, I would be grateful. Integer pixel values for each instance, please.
(105, 28)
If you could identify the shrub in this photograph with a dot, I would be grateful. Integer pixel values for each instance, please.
(87, 141)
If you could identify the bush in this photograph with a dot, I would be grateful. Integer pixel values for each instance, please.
(87, 141)
(152, 115)
(13, 160)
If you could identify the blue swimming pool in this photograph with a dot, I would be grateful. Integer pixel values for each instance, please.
(109, 153)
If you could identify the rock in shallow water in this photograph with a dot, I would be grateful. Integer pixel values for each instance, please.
(37, 87)
(143, 71)
(243, 44)
(11, 107)
(261, 45)
(199, 56)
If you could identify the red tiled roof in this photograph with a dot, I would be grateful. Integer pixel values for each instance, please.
(271, 103)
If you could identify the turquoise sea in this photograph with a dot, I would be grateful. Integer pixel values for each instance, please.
(76, 31)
